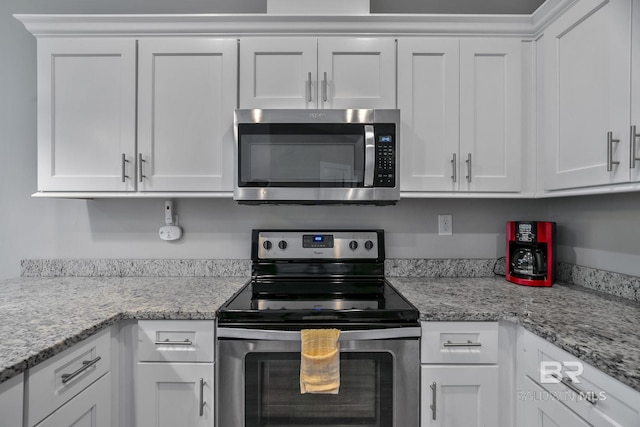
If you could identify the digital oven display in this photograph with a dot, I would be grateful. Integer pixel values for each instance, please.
(317, 241)
(385, 138)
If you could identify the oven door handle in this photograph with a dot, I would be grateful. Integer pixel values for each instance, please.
(369, 155)
(271, 335)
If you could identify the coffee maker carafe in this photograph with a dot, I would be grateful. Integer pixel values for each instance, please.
(531, 249)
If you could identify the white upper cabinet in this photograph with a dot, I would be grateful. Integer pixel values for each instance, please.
(429, 101)
(329, 72)
(585, 89)
(86, 114)
(634, 136)
(461, 113)
(278, 73)
(490, 114)
(186, 97)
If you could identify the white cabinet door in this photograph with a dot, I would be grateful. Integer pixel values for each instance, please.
(175, 394)
(357, 72)
(278, 73)
(585, 95)
(454, 396)
(635, 93)
(11, 401)
(331, 72)
(428, 97)
(538, 408)
(187, 93)
(91, 408)
(86, 114)
(490, 114)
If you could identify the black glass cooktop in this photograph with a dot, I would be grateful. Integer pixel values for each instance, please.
(335, 304)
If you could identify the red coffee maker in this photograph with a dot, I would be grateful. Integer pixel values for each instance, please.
(531, 253)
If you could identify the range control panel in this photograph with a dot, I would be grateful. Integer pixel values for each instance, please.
(385, 170)
(320, 245)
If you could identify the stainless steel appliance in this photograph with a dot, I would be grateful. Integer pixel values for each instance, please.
(317, 156)
(318, 279)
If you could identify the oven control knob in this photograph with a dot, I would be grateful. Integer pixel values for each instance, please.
(368, 245)
(267, 245)
(353, 245)
(282, 245)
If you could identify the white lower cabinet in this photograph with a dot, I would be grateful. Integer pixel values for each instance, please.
(552, 384)
(63, 386)
(459, 396)
(539, 409)
(11, 398)
(175, 373)
(91, 408)
(460, 375)
(175, 394)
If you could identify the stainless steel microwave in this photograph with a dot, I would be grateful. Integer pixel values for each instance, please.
(317, 156)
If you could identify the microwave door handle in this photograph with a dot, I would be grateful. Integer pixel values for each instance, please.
(369, 155)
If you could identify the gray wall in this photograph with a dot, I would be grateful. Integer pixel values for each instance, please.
(50, 228)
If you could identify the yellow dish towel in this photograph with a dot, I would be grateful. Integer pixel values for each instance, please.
(320, 361)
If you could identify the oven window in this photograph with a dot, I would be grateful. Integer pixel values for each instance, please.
(301, 155)
(273, 399)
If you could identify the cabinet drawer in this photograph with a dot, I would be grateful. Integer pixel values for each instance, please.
(459, 342)
(55, 381)
(92, 407)
(175, 340)
(606, 402)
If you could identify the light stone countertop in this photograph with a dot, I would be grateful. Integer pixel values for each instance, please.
(40, 317)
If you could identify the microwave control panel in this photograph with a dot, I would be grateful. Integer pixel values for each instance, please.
(385, 170)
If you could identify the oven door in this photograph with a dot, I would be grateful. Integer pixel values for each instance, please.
(259, 380)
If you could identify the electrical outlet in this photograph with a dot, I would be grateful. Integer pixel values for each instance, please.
(445, 225)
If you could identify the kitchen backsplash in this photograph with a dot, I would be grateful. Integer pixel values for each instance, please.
(622, 285)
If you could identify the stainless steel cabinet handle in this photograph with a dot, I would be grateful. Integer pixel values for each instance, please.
(186, 342)
(324, 87)
(86, 364)
(454, 166)
(468, 162)
(433, 400)
(590, 397)
(610, 161)
(309, 88)
(124, 167)
(461, 344)
(202, 402)
(634, 139)
(369, 155)
(140, 162)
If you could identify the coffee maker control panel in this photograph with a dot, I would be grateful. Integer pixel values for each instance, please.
(526, 232)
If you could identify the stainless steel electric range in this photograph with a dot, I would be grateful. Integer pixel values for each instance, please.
(305, 279)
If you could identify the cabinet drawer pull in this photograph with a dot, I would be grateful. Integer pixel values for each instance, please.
(86, 364)
(433, 400)
(124, 167)
(462, 344)
(468, 162)
(324, 87)
(610, 161)
(454, 166)
(634, 139)
(590, 396)
(202, 402)
(309, 88)
(187, 341)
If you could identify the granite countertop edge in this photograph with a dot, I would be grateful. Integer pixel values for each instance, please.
(521, 315)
